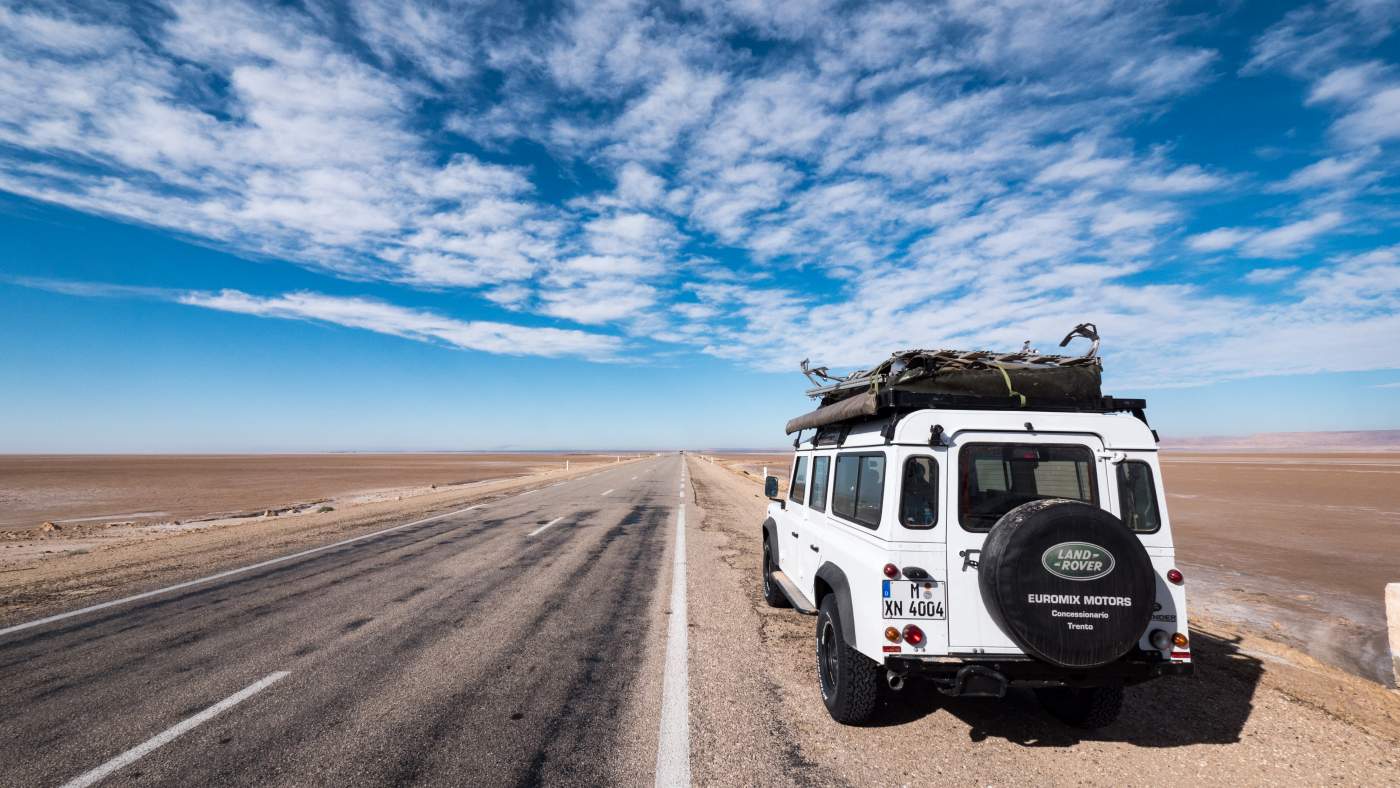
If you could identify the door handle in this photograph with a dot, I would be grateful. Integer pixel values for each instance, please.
(794, 534)
(815, 549)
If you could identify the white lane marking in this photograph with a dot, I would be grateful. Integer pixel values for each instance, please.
(170, 734)
(607, 492)
(528, 492)
(227, 573)
(673, 743)
(634, 478)
(546, 525)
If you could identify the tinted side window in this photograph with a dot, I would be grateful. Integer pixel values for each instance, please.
(820, 468)
(995, 478)
(870, 491)
(797, 490)
(843, 489)
(1137, 497)
(859, 488)
(918, 497)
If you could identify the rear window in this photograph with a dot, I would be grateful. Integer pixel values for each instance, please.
(1137, 497)
(859, 488)
(797, 490)
(998, 477)
(918, 496)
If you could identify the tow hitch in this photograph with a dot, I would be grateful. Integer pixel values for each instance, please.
(974, 681)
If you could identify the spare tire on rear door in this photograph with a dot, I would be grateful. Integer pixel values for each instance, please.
(1068, 582)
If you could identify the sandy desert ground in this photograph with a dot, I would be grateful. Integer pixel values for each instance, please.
(100, 489)
(1296, 546)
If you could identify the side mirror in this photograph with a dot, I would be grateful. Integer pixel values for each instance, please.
(770, 488)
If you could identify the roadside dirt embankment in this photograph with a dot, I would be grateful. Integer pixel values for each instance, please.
(1256, 712)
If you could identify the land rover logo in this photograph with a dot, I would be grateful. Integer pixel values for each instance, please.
(1077, 561)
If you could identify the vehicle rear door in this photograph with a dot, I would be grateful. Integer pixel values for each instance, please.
(990, 474)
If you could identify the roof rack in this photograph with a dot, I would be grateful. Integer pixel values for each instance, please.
(891, 401)
(892, 405)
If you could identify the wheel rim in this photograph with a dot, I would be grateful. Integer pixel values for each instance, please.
(826, 658)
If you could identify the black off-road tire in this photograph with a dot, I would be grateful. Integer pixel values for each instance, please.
(850, 681)
(773, 595)
(1089, 708)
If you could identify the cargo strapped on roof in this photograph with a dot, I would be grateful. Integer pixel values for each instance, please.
(955, 379)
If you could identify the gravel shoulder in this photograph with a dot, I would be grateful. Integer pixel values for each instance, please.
(1256, 711)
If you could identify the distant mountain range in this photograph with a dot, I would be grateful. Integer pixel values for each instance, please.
(1359, 440)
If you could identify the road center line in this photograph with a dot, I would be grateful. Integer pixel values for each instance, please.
(170, 734)
(607, 492)
(673, 743)
(546, 525)
(227, 573)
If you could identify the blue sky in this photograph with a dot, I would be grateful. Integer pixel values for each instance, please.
(230, 227)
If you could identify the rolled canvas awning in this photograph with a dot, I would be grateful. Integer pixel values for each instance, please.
(860, 406)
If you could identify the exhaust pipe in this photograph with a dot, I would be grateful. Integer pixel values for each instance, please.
(895, 680)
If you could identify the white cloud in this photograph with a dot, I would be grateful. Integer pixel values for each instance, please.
(638, 187)
(1189, 179)
(1081, 169)
(1348, 83)
(1218, 240)
(422, 326)
(1268, 276)
(1328, 171)
(629, 233)
(597, 301)
(1290, 239)
(1375, 119)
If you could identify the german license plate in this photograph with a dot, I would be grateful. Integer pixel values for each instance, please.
(914, 599)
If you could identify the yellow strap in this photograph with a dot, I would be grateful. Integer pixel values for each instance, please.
(1009, 388)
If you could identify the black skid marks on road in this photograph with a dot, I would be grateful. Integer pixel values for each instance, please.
(575, 664)
(607, 654)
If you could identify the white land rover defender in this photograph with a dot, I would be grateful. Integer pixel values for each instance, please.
(978, 521)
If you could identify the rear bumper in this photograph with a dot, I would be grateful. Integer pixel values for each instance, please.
(954, 674)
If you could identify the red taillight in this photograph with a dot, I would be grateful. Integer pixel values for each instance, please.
(1174, 575)
(891, 571)
(913, 635)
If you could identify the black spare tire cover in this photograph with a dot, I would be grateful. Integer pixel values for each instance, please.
(1067, 581)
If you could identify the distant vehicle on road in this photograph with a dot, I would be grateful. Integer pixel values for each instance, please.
(978, 521)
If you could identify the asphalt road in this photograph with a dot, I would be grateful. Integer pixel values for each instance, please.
(520, 642)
